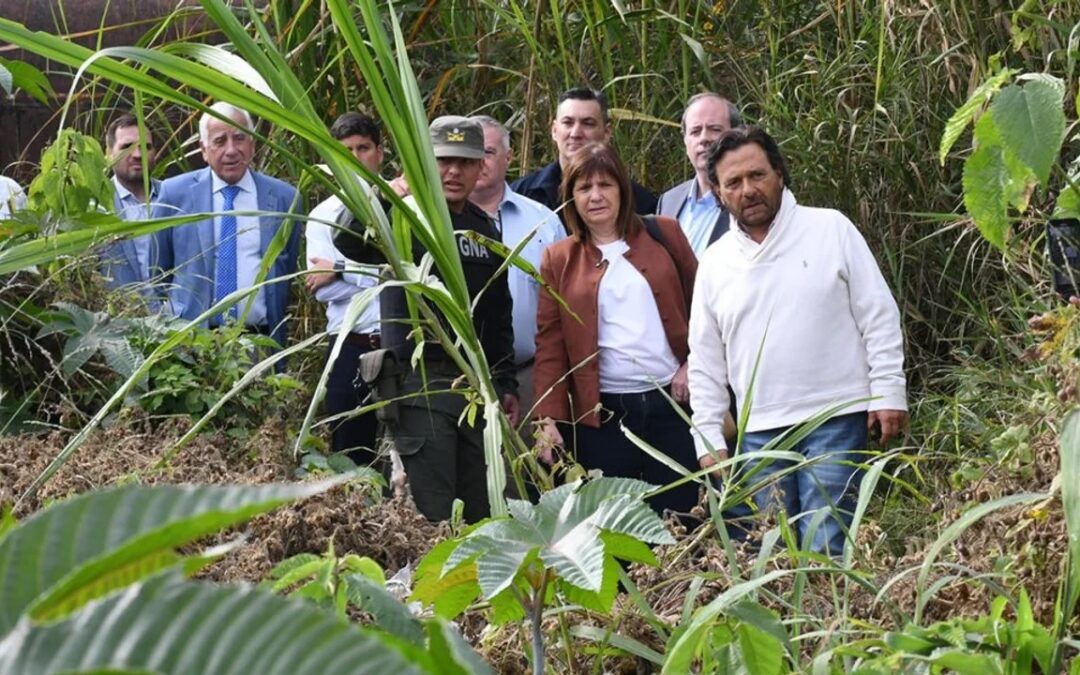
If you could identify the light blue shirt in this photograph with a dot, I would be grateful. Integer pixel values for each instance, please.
(248, 241)
(519, 217)
(133, 208)
(698, 217)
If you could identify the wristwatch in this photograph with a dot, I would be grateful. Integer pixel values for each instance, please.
(339, 269)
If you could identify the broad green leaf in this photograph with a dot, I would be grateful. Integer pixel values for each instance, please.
(65, 549)
(626, 547)
(988, 183)
(449, 593)
(762, 654)
(963, 662)
(577, 556)
(590, 494)
(909, 642)
(1068, 203)
(1031, 122)
(505, 606)
(630, 515)
(760, 617)
(600, 600)
(389, 613)
(965, 113)
(450, 651)
(168, 626)
(684, 646)
(22, 75)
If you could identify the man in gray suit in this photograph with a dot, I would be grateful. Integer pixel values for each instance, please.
(702, 218)
(129, 262)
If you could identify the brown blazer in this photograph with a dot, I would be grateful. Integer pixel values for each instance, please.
(564, 343)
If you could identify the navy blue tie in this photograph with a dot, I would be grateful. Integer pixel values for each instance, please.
(225, 276)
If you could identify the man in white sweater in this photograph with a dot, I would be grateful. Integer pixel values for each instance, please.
(791, 310)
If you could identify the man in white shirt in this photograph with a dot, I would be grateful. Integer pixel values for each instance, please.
(693, 203)
(792, 303)
(212, 258)
(516, 218)
(130, 261)
(335, 288)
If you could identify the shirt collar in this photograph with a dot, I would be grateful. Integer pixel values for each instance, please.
(509, 198)
(693, 197)
(246, 183)
(124, 194)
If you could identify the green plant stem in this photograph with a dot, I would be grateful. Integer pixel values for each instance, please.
(537, 631)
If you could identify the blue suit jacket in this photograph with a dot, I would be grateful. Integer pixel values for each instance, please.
(188, 250)
(119, 264)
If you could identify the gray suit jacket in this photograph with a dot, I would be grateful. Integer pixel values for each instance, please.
(671, 202)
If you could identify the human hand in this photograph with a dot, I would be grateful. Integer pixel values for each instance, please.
(710, 460)
(511, 405)
(680, 385)
(400, 186)
(547, 439)
(316, 280)
(884, 425)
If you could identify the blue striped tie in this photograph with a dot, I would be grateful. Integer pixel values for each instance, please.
(225, 277)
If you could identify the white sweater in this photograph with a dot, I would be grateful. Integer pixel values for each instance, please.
(811, 299)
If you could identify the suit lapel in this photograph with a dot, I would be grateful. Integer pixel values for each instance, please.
(267, 201)
(203, 191)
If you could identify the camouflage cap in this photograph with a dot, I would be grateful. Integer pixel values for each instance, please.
(456, 136)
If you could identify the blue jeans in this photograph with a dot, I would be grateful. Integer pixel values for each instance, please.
(830, 484)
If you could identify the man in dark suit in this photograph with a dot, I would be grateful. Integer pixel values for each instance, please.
(701, 216)
(211, 258)
(580, 119)
(129, 262)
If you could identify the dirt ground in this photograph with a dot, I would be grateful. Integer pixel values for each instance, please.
(1023, 545)
(391, 532)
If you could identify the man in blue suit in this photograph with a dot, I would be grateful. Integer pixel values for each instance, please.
(130, 262)
(211, 258)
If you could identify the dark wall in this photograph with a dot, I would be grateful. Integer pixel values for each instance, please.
(26, 125)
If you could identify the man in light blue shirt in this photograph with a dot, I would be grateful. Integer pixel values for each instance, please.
(516, 217)
(702, 218)
(132, 261)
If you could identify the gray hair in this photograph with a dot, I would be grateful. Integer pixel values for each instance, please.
(734, 117)
(227, 110)
(490, 122)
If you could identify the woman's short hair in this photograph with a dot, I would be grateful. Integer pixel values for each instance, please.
(592, 160)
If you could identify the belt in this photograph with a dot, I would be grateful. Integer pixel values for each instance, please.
(364, 340)
(260, 329)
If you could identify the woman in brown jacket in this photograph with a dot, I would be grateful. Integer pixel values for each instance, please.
(603, 358)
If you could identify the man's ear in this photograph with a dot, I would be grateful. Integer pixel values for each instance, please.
(607, 132)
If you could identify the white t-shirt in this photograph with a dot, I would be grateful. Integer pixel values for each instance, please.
(634, 352)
